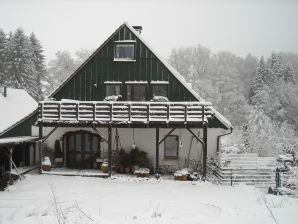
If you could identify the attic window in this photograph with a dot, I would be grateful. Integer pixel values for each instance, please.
(124, 51)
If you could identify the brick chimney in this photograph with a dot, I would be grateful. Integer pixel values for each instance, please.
(138, 29)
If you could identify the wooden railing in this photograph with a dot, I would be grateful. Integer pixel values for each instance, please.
(123, 111)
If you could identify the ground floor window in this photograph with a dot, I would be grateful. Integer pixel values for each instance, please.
(171, 147)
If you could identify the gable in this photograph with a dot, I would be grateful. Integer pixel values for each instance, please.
(87, 83)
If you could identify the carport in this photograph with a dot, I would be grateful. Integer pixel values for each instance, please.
(7, 147)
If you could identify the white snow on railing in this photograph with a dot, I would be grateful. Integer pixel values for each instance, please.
(109, 111)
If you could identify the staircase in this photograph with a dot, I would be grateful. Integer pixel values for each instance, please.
(248, 169)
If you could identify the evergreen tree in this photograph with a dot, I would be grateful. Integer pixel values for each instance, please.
(20, 65)
(289, 75)
(39, 63)
(262, 77)
(3, 44)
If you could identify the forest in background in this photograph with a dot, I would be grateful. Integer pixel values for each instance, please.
(258, 95)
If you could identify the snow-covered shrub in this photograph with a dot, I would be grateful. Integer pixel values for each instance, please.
(265, 136)
(48, 152)
(46, 161)
(46, 164)
(142, 172)
(232, 149)
(160, 99)
(113, 98)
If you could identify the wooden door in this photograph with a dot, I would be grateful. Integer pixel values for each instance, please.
(82, 149)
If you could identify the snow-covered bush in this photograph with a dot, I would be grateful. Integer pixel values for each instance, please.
(113, 98)
(142, 172)
(160, 99)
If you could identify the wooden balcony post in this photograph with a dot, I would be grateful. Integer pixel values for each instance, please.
(111, 111)
(40, 147)
(168, 112)
(94, 111)
(148, 112)
(59, 111)
(77, 111)
(204, 150)
(41, 110)
(110, 149)
(129, 112)
(185, 113)
(203, 113)
(157, 150)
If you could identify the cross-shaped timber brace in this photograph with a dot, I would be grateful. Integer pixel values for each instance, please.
(204, 144)
(11, 163)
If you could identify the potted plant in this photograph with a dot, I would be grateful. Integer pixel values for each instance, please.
(46, 164)
(105, 167)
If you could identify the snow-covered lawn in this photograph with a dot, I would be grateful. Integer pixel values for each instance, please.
(124, 199)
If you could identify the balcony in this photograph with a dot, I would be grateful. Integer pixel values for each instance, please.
(68, 112)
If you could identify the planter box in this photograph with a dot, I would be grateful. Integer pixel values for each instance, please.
(46, 167)
(142, 172)
(180, 178)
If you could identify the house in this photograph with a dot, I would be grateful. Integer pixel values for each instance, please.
(16, 107)
(119, 96)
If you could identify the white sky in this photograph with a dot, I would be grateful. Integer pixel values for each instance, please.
(255, 26)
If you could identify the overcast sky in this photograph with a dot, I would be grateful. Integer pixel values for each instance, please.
(255, 26)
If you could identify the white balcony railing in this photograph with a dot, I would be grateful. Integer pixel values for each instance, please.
(123, 111)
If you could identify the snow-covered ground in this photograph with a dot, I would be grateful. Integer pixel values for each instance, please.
(123, 199)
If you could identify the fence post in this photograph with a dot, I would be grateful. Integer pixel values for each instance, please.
(94, 112)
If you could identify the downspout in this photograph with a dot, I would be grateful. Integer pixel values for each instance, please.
(218, 137)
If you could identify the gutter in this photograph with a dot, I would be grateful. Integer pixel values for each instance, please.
(218, 137)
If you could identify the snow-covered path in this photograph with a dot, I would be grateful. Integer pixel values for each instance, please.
(133, 200)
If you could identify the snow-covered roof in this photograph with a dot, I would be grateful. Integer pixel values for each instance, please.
(17, 140)
(17, 105)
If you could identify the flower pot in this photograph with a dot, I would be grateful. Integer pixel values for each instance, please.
(46, 167)
(127, 169)
(105, 167)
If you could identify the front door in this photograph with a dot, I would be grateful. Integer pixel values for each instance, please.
(82, 149)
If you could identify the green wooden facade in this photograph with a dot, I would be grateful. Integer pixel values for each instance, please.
(21, 128)
(87, 83)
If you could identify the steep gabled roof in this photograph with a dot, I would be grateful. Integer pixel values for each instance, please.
(16, 106)
(173, 71)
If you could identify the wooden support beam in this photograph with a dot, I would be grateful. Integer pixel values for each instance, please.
(40, 148)
(48, 135)
(100, 134)
(110, 150)
(157, 150)
(164, 138)
(197, 137)
(9, 156)
(205, 150)
(10, 164)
